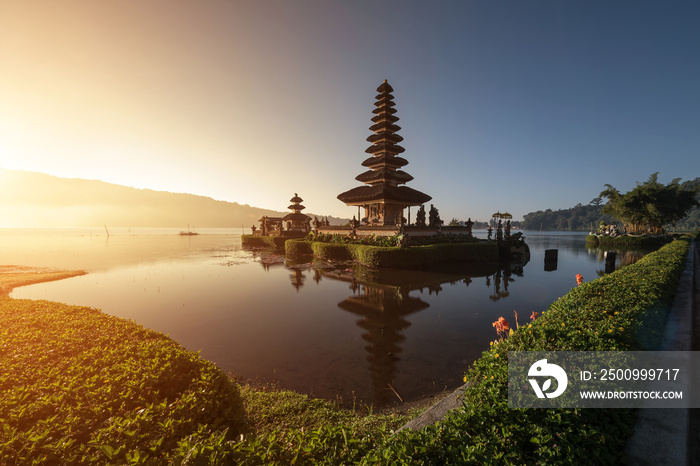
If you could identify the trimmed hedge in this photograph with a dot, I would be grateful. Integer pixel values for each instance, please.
(333, 251)
(422, 256)
(627, 241)
(263, 241)
(82, 387)
(411, 257)
(297, 247)
(624, 310)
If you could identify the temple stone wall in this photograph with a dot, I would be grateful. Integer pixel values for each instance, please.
(359, 231)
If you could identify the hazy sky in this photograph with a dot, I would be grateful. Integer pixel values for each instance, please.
(504, 105)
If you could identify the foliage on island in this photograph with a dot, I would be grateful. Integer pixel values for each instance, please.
(692, 221)
(386, 251)
(588, 217)
(645, 242)
(651, 205)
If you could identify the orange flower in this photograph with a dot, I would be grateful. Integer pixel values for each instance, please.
(579, 279)
(534, 315)
(502, 326)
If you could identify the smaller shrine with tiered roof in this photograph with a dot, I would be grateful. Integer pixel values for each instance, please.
(292, 224)
(296, 221)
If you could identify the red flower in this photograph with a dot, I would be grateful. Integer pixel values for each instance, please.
(534, 315)
(579, 279)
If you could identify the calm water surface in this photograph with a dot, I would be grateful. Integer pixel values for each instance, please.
(327, 329)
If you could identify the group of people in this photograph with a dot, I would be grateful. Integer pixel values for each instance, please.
(499, 230)
(611, 230)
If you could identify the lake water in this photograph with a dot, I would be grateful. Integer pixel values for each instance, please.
(332, 330)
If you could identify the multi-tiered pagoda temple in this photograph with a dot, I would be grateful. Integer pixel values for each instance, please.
(382, 197)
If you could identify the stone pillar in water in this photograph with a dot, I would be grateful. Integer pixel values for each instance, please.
(610, 261)
(551, 257)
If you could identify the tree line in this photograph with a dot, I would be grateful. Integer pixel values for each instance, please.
(651, 207)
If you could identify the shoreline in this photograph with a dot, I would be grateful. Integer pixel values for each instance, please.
(15, 276)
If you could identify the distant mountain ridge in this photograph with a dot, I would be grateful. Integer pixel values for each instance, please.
(37, 199)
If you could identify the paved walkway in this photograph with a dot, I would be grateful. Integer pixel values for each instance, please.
(664, 436)
(694, 431)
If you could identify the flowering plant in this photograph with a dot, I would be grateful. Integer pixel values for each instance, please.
(579, 279)
(502, 327)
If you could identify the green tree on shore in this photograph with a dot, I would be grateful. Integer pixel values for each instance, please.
(581, 217)
(651, 205)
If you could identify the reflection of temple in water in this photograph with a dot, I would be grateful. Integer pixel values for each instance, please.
(500, 281)
(382, 309)
(382, 299)
(296, 275)
(297, 278)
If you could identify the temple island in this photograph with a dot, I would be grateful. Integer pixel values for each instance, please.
(384, 209)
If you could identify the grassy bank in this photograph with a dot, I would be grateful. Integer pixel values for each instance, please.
(12, 276)
(81, 387)
(409, 257)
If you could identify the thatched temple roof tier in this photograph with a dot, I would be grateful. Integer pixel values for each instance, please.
(385, 126)
(386, 110)
(385, 159)
(383, 192)
(384, 174)
(384, 101)
(296, 216)
(385, 136)
(296, 207)
(384, 147)
(385, 116)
